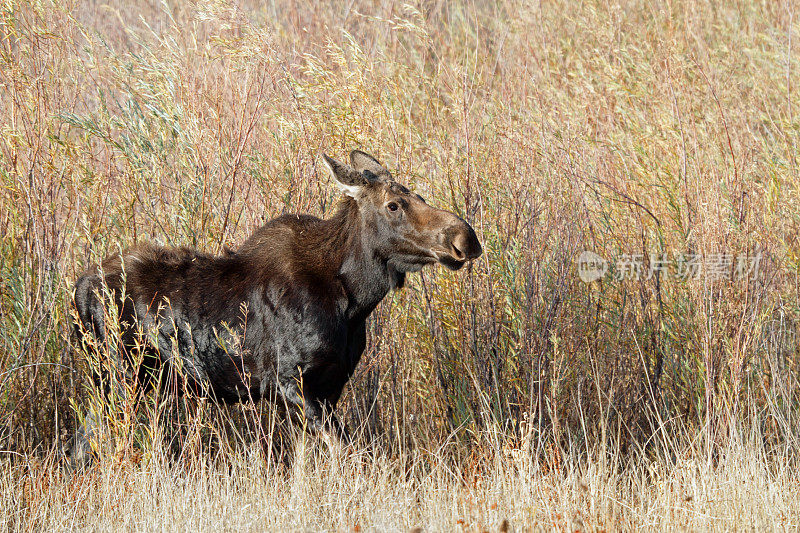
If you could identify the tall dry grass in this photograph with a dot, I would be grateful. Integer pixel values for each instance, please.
(510, 391)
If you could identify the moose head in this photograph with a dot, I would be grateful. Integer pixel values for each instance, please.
(405, 231)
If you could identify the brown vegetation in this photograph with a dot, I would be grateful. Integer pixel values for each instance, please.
(507, 391)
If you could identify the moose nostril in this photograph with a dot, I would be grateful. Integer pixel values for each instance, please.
(459, 247)
(462, 243)
(465, 244)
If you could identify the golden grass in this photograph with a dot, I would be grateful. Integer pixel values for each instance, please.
(509, 391)
(357, 489)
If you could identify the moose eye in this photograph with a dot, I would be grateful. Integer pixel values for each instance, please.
(392, 206)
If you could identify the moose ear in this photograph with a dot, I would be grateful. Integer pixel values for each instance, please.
(349, 180)
(362, 161)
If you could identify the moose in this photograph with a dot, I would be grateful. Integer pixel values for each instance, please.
(284, 315)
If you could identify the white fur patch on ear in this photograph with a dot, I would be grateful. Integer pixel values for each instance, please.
(353, 191)
(340, 172)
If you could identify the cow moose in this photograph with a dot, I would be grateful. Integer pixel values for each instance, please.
(293, 299)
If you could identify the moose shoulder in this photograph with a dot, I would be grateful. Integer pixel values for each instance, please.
(284, 315)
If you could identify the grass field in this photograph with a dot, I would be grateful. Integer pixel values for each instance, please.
(510, 395)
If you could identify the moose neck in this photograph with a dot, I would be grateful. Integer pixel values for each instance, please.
(366, 277)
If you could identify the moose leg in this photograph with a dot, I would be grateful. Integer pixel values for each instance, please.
(90, 333)
(310, 408)
(80, 453)
(319, 417)
(110, 364)
(339, 428)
